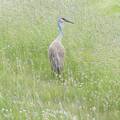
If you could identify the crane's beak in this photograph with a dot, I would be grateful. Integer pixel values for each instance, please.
(67, 21)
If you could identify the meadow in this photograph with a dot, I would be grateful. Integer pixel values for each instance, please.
(89, 88)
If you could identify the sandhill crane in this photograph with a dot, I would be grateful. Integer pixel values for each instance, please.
(56, 49)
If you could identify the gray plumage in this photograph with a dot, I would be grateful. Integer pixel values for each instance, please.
(56, 55)
(56, 50)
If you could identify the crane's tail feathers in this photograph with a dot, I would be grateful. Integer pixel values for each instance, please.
(57, 70)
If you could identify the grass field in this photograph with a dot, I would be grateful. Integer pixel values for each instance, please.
(91, 87)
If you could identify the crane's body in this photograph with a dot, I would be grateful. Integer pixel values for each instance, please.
(56, 55)
(56, 49)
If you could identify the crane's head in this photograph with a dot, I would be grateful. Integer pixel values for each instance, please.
(62, 20)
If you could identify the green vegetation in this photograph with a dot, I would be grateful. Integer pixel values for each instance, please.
(91, 87)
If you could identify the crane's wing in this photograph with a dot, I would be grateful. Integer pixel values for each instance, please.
(56, 56)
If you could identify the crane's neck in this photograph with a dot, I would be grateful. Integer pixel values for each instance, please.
(60, 35)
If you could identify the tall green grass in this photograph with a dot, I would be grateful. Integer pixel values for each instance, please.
(91, 87)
